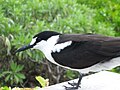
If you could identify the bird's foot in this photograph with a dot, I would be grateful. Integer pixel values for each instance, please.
(74, 86)
(70, 88)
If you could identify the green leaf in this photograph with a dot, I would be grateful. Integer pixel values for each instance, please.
(20, 75)
(13, 66)
(7, 43)
(16, 78)
(5, 88)
(19, 68)
(4, 73)
(7, 78)
(70, 74)
(41, 80)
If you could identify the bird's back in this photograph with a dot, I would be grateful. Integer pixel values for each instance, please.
(87, 50)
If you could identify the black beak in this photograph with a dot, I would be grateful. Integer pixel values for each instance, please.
(24, 48)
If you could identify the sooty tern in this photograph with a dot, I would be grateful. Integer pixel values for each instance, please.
(80, 52)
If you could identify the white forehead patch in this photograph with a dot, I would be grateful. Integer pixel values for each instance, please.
(59, 47)
(33, 41)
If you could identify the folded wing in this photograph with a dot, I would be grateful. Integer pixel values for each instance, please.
(87, 50)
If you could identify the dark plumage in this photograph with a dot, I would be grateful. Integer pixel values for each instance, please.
(90, 48)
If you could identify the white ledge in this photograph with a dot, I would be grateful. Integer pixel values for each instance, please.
(100, 81)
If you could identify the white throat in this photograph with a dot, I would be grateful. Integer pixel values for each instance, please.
(49, 46)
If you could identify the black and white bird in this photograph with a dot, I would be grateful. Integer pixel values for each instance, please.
(81, 52)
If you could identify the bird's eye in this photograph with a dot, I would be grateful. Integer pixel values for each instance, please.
(38, 39)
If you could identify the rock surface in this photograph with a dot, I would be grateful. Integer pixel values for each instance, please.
(103, 80)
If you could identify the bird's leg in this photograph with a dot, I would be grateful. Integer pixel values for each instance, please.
(74, 85)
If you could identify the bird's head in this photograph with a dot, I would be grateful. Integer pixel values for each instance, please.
(39, 40)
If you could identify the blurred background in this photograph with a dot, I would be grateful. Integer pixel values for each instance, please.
(20, 20)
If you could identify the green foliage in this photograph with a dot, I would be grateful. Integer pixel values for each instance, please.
(117, 69)
(71, 74)
(21, 19)
(106, 11)
(5, 88)
(14, 75)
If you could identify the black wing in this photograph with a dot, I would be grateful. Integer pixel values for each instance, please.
(87, 50)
